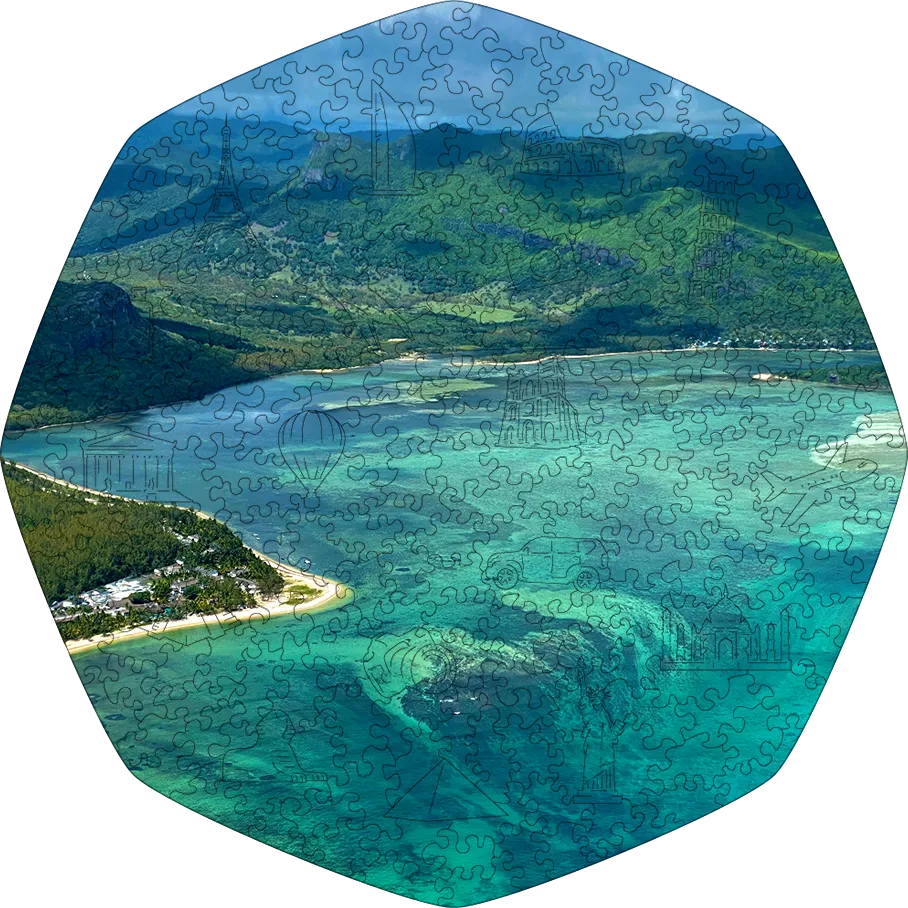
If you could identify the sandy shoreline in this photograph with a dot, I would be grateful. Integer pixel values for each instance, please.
(712, 349)
(331, 597)
(415, 356)
(333, 594)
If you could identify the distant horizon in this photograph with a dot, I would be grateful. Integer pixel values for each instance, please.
(442, 64)
(363, 128)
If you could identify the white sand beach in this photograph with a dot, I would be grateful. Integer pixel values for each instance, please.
(332, 595)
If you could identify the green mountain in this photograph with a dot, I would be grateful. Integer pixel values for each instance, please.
(161, 301)
(96, 353)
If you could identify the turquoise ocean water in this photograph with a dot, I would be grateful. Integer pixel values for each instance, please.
(454, 733)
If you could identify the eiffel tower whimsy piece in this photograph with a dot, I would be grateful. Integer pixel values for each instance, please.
(226, 211)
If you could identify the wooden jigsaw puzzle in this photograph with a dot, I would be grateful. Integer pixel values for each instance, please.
(453, 454)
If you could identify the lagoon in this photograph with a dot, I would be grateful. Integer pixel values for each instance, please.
(460, 731)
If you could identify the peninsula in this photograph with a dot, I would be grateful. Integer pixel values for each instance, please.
(113, 568)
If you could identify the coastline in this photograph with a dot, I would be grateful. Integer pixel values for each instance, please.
(333, 594)
(331, 597)
(665, 350)
(415, 356)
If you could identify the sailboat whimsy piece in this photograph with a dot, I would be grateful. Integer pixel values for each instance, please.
(393, 147)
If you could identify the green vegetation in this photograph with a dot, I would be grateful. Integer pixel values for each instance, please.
(298, 593)
(90, 623)
(483, 259)
(222, 594)
(79, 541)
(160, 589)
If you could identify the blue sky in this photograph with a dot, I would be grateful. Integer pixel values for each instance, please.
(476, 67)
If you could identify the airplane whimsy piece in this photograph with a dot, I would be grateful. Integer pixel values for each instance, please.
(838, 474)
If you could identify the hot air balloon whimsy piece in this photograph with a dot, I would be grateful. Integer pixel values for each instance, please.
(311, 443)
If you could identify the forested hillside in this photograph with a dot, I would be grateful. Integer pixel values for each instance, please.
(78, 540)
(474, 254)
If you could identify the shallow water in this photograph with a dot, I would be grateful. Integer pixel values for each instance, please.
(451, 735)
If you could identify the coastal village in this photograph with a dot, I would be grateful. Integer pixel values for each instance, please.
(175, 597)
(161, 591)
